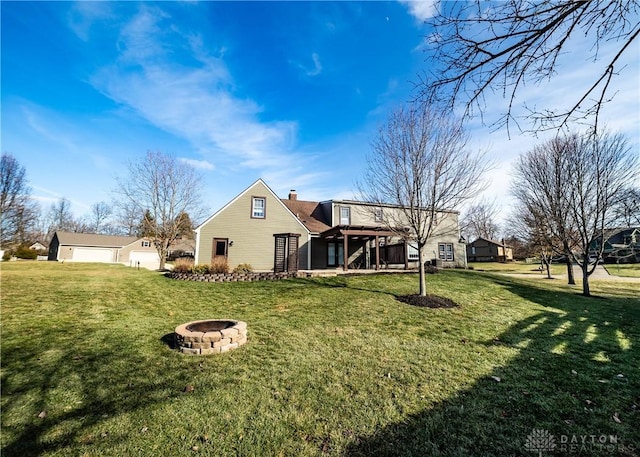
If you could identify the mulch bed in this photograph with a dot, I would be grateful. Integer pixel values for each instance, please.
(428, 301)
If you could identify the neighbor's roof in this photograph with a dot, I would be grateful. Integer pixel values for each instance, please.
(309, 213)
(498, 243)
(92, 239)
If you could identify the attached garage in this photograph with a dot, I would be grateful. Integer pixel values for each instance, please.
(92, 255)
(92, 247)
(145, 258)
(89, 247)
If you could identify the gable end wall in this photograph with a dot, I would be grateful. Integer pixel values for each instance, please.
(253, 240)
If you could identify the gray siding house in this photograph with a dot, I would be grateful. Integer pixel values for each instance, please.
(259, 228)
(91, 247)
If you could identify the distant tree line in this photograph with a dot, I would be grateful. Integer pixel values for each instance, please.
(161, 208)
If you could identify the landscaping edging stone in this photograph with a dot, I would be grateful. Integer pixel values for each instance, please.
(231, 277)
(192, 340)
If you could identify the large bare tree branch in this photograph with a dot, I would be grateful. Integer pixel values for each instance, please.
(486, 47)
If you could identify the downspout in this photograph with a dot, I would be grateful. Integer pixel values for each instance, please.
(197, 251)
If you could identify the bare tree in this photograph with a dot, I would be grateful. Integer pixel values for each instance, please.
(17, 211)
(627, 208)
(126, 218)
(161, 187)
(478, 221)
(572, 184)
(488, 47)
(540, 184)
(603, 166)
(420, 162)
(61, 218)
(529, 224)
(100, 213)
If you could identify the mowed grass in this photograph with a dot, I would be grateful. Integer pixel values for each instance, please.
(519, 267)
(333, 366)
(629, 270)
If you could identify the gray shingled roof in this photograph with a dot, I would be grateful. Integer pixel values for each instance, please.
(92, 239)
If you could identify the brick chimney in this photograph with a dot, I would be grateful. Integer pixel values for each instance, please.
(293, 195)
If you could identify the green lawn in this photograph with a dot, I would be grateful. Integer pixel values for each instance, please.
(630, 270)
(519, 268)
(333, 366)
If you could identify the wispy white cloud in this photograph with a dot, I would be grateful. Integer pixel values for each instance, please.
(62, 134)
(420, 9)
(315, 70)
(83, 15)
(197, 102)
(44, 128)
(199, 164)
(50, 197)
(317, 66)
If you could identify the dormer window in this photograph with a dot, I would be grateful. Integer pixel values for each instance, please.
(258, 207)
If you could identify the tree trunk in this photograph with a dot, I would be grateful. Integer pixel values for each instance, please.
(545, 263)
(567, 252)
(163, 248)
(585, 279)
(570, 279)
(421, 273)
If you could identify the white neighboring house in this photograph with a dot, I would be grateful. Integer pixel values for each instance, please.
(38, 246)
(91, 247)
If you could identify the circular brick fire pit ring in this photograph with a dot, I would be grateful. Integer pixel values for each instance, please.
(210, 336)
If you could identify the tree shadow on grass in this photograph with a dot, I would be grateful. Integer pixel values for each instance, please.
(576, 373)
(74, 387)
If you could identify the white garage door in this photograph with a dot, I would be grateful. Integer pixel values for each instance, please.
(145, 258)
(92, 255)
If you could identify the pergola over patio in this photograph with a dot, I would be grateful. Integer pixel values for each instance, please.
(364, 233)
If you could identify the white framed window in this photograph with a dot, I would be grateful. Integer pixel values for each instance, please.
(445, 251)
(345, 215)
(412, 253)
(146, 244)
(258, 207)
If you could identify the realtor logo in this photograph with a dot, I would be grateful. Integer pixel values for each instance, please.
(540, 440)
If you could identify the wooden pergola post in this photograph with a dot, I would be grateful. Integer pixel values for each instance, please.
(367, 233)
(406, 255)
(345, 251)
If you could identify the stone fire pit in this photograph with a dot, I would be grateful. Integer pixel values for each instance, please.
(210, 336)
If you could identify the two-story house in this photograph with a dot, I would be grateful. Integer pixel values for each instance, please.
(270, 233)
(484, 250)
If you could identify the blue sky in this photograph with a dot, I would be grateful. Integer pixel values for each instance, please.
(288, 91)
